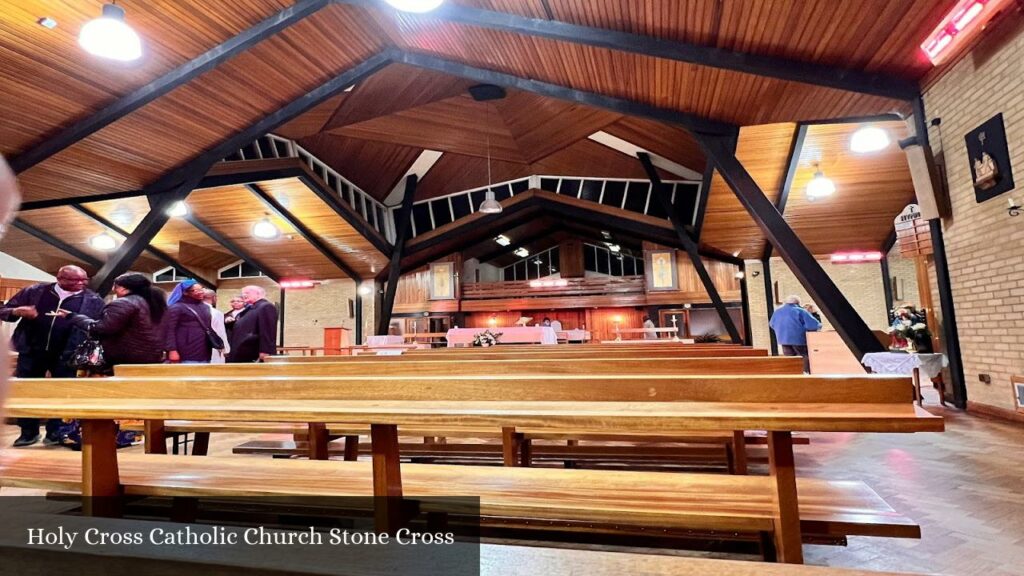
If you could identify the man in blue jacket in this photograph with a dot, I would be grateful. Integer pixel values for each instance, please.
(45, 342)
(791, 324)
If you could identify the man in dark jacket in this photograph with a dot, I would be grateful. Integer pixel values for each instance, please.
(254, 336)
(45, 342)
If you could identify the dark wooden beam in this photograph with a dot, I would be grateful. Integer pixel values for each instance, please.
(54, 143)
(748, 336)
(282, 115)
(889, 117)
(230, 245)
(403, 227)
(848, 79)
(887, 286)
(691, 122)
(307, 234)
(690, 246)
(769, 298)
(167, 258)
(890, 241)
(796, 147)
(347, 213)
(359, 316)
(702, 200)
(951, 336)
(57, 243)
(851, 327)
(136, 242)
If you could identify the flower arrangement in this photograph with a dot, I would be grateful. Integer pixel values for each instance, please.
(486, 338)
(909, 330)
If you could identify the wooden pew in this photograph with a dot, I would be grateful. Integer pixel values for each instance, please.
(566, 352)
(734, 445)
(778, 404)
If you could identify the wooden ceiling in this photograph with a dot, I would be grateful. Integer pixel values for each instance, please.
(374, 133)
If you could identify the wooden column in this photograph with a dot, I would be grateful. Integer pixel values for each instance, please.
(511, 446)
(402, 229)
(387, 478)
(834, 305)
(318, 441)
(788, 541)
(156, 437)
(101, 481)
(570, 258)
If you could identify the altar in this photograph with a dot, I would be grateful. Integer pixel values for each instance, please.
(509, 335)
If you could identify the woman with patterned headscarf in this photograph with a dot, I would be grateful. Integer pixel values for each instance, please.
(186, 325)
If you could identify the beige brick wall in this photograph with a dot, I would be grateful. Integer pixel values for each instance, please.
(860, 283)
(308, 312)
(984, 246)
(905, 272)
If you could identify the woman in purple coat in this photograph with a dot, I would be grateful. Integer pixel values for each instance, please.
(186, 323)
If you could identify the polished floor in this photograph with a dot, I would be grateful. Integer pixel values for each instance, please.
(965, 487)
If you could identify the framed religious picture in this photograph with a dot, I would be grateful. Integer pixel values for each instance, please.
(989, 157)
(661, 270)
(442, 281)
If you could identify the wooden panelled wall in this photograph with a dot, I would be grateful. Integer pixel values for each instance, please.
(600, 321)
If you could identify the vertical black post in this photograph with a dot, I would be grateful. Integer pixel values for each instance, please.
(887, 286)
(748, 337)
(949, 330)
(359, 316)
(690, 246)
(280, 320)
(851, 327)
(402, 220)
(769, 301)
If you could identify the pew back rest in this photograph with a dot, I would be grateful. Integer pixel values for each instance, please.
(455, 366)
(747, 389)
(569, 353)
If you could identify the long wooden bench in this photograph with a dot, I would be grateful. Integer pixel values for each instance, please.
(730, 446)
(669, 405)
(564, 352)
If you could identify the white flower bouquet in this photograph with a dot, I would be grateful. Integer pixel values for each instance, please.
(486, 338)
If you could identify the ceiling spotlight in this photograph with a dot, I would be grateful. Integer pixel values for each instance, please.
(418, 6)
(503, 240)
(740, 275)
(820, 186)
(178, 210)
(265, 229)
(47, 22)
(869, 139)
(521, 252)
(614, 247)
(103, 241)
(110, 37)
(364, 290)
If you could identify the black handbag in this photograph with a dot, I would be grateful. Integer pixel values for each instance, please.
(212, 338)
(88, 354)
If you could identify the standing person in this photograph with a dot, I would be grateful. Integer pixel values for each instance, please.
(129, 326)
(791, 324)
(44, 340)
(254, 336)
(237, 305)
(649, 333)
(210, 297)
(186, 324)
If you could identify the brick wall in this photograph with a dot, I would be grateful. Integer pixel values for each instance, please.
(860, 283)
(984, 246)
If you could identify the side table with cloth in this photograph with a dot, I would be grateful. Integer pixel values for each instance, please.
(914, 364)
(384, 340)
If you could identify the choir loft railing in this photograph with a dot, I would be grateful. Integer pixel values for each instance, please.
(553, 287)
(272, 146)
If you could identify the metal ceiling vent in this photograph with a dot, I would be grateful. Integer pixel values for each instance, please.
(484, 92)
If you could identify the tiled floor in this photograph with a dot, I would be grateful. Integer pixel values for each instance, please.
(965, 487)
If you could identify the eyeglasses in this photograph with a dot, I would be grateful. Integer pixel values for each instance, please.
(73, 280)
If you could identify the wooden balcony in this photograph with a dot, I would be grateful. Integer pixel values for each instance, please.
(562, 287)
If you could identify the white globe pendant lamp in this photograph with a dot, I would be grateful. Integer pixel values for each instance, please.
(110, 37)
(820, 186)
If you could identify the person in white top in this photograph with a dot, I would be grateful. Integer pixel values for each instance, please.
(649, 332)
(217, 323)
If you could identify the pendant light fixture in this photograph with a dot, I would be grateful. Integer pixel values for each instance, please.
(490, 204)
(265, 230)
(103, 242)
(820, 186)
(418, 6)
(869, 139)
(110, 37)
